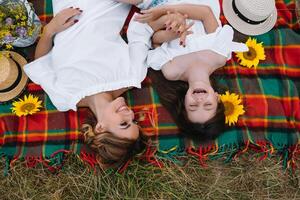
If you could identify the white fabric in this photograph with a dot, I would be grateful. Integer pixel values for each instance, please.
(139, 41)
(220, 42)
(198, 26)
(139, 34)
(87, 58)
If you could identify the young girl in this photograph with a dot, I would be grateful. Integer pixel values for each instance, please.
(89, 66)
(192, 58)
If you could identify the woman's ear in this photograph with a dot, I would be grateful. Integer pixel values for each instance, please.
(99, 128)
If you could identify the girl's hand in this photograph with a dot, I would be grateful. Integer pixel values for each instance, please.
(183, 37)
(62, 21)
(151, 14)
(176, 22)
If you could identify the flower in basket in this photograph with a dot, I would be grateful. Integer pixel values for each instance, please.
(19, 24)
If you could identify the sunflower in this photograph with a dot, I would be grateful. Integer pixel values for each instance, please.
(253, 56)
(28, 106)
(233, 109)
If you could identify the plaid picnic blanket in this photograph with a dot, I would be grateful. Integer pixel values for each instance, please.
(270, 95)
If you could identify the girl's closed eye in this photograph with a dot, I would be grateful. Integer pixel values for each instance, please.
(207, 104)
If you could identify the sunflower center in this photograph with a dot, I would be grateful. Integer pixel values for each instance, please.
(229, 108)
(27, 107)
(251, 54)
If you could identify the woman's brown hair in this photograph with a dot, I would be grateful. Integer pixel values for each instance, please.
(172, 95)
(111, 151)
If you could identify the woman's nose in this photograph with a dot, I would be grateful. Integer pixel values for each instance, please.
(129, 114)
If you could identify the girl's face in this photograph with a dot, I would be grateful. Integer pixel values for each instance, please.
(118, 119)
(201, 102)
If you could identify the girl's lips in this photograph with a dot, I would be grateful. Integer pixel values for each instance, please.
(199, 90)
(199, 93)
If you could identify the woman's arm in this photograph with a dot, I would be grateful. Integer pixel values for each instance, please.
(59, 23)
(44, 45)
(195, 12)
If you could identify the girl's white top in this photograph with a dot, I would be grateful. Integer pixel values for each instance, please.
(88, 58)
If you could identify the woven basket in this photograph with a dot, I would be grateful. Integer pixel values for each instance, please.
(32, 19)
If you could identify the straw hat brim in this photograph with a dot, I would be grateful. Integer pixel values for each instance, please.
(244, 27)
(7, 96)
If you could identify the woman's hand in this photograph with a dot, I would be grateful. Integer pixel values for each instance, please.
(62, 21)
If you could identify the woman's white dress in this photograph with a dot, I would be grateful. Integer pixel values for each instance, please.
(87, 58)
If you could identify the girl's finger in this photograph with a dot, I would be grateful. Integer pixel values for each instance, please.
(182, 39)
(140, 16)
(146, 11)
(181, 29)
(168, 24)
(173, 26)
(143, 18)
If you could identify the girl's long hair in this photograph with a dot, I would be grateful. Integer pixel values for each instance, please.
(172, 95)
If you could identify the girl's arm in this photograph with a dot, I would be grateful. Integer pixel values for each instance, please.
(59, 23)
(162, 36)
(195, 12)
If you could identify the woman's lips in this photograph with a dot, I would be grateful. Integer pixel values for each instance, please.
(123, 108)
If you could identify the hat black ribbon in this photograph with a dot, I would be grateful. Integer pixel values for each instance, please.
(17, 81)
(243, 17)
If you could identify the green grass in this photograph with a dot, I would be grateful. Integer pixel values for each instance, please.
(241, 179)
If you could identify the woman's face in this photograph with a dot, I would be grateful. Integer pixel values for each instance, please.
(118, 119)
(201, 102)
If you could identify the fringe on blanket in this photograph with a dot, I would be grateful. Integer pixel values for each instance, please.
(290, 156)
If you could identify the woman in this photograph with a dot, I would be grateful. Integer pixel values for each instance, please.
(191, 99)
(89, 66)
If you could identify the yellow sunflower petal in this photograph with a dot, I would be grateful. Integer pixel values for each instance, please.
(28, 106)
(233, 107)
(253, 56)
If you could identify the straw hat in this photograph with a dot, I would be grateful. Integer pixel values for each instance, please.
(251, 17)
(12, 77)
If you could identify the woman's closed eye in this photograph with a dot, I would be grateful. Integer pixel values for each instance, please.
(125, 125)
